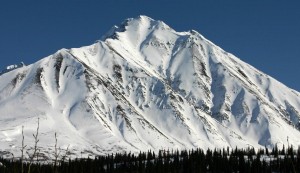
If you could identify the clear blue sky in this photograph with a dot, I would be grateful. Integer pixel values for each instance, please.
(263, 33)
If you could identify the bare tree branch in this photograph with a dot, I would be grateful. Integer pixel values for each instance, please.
(35, 149)
(22, 151)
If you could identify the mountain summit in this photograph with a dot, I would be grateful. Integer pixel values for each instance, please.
(145, 86)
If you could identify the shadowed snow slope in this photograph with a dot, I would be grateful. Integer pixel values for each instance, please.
(145, 86)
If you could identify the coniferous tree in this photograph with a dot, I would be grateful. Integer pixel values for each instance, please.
(283, 150)
(267, 151)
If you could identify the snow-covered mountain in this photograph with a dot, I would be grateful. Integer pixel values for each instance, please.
(145, 86)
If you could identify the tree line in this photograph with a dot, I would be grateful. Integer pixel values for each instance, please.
(170, 161)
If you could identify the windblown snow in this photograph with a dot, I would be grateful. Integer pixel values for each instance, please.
(145, 86)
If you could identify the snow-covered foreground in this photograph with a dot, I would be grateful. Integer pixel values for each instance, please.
(145, 86)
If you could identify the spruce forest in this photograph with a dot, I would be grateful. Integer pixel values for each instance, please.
(166, 161)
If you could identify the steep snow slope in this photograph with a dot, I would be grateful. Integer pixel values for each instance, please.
(145, 86)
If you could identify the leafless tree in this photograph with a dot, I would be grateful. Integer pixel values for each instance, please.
(22, 151)
(35, 149)
(33, 157)
(56, 153)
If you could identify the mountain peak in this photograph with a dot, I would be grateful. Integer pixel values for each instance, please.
(144, 17)
(138, 24)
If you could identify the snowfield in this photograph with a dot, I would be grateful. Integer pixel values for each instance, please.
(145, 86)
